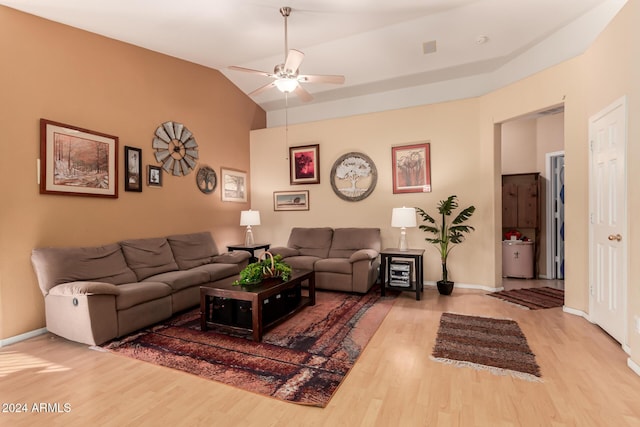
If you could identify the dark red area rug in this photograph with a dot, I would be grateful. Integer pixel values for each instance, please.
(532, 298)
(495, 345)
(303, 360)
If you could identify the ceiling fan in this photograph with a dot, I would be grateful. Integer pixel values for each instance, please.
(286, 76)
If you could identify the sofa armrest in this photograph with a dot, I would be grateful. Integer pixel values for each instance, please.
(284, 251)
(236, 257)
(84, 288)
(363, 254)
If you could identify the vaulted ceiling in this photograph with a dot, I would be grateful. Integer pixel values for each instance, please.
(393, 53)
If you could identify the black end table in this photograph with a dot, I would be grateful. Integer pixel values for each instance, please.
(250, 248)
(387, 255)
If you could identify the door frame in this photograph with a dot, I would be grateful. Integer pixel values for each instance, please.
(618, 103)
(550, 235)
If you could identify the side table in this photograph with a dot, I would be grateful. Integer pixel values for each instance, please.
(250, 248)
(386, 257)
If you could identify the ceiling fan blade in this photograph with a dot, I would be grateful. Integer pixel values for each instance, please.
(262, 89)
(335, 79)
(294, 59)
(302, 94)
(249, 70)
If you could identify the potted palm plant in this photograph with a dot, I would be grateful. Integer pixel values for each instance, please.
(446, 234)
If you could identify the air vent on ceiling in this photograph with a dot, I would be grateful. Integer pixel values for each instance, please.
(429, 47)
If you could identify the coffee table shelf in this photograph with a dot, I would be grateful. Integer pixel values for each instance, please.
(243, 300)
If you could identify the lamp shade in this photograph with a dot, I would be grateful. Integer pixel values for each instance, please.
(403, 217)
(249, 217)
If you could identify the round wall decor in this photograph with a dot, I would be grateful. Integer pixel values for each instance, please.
(206, 179)
(354, 176)
(176, 148)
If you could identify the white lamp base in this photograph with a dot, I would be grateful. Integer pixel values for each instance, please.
(248, 237)
(402, 244)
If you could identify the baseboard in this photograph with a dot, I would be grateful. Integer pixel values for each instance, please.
(22, 337)
(575, 312)
(467, 286)
(634, 366)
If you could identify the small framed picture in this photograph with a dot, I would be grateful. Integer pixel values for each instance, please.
(234, 185)
(291, 200)
(154, 176)
(304, 164)
(411, 165)
(77, 162)
(132, 169)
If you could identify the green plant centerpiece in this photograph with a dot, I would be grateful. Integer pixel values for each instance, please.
(446, 234)
(266, 267)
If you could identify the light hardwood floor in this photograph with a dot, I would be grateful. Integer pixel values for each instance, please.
(586, 381)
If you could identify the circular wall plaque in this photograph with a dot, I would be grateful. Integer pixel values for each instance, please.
(176, 148)
(206, 179)
(353, 176)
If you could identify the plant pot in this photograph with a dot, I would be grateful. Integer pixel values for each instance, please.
(445, 288)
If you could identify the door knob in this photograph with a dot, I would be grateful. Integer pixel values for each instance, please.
(615, 237)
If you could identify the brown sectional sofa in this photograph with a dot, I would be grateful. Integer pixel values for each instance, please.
(94, 294)
(344, 259)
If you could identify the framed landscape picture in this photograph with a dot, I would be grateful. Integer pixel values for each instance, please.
(304, 164)
(77, 162)
(132, 169)
(411, 166)
(291, 200)
(234, 185)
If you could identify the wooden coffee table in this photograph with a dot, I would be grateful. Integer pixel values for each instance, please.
(256, 295)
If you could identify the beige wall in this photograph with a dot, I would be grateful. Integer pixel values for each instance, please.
(64, 74)
(466, 160)
(458, 166)
(519, 146)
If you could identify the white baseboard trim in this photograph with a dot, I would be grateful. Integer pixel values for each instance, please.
(634, 366)
(575, 312)
(467, 286)
(22, 337)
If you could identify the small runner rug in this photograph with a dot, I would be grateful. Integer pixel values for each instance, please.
(533, 298)
(496, 345)
(302, 361)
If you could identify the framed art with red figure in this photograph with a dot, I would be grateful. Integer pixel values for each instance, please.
(411, 166)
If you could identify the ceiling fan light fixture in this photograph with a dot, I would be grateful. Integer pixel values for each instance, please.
(286, 85)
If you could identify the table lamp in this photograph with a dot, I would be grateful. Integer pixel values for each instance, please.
(249, 218)
(403, 218)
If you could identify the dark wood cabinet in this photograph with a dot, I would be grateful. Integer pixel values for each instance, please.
(520, 200)
(521, 207)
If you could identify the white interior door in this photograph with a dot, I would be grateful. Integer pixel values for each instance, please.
(608, 247)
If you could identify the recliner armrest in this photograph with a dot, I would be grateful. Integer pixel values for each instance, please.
(235, 257)
(363, 254)
(284, 251)
(84, 288)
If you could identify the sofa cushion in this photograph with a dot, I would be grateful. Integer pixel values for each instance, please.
(147, 257)
(192, 250)
(54, 266)
(302, 262)
(137, 293)
(311, 241)
(219, 271)
(180, 279)
(346, 241)
(334, 265)
(85, 288)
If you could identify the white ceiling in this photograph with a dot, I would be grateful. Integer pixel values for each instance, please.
(376, 44)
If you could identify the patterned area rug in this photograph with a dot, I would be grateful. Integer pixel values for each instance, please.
(533, 298)
(303, 360)
(496, 345)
